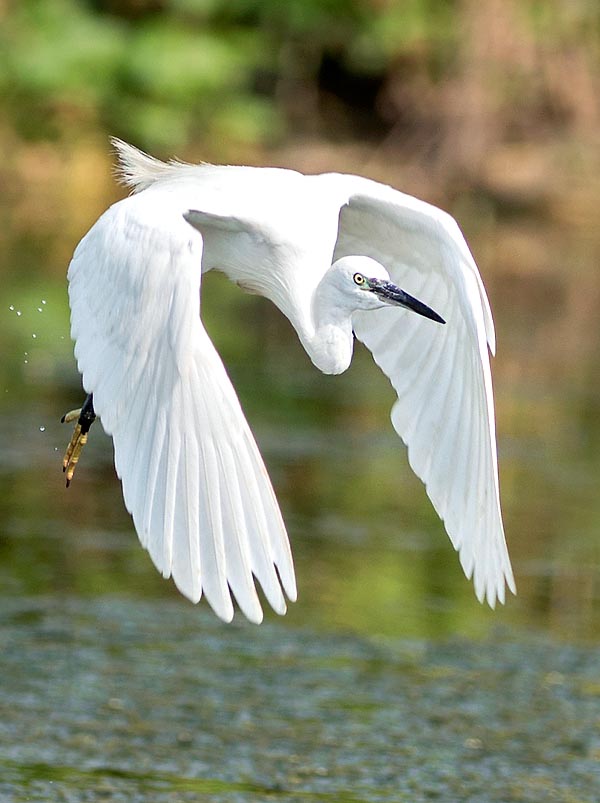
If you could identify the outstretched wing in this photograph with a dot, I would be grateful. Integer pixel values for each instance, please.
(444, 411)
(193, 478)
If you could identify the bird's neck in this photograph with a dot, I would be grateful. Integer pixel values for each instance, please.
(327, 336)
(330, 348)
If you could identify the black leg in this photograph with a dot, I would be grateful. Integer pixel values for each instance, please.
(87, 416)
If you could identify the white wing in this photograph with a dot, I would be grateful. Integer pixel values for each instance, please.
(444, 412)
(192, 475)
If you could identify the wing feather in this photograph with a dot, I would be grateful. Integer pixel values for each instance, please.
(267, 552)
(240, 557)
(444, 408)
(193, 478)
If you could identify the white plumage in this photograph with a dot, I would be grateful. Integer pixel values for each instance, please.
(193, 478)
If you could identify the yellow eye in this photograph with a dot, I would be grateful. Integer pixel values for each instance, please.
(359, 279)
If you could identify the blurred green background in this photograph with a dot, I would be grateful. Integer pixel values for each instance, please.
(491, 110)
(387, 680)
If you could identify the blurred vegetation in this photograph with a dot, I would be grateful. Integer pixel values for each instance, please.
(450, 79)
(493, 105)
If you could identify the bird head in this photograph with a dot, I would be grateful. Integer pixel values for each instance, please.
(367, 284)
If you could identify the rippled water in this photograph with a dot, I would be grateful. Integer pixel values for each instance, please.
(136, 701)
(386, 681)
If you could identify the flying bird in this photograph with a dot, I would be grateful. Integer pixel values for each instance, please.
(342, 257)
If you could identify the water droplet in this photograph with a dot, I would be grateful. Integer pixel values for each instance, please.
(42, 429)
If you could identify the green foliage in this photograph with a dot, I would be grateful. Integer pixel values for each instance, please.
(56, 57)
(165, 73)
(155, 79)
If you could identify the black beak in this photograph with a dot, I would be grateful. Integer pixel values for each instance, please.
(394, 295)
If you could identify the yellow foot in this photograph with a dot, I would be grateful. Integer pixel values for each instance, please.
(85, 417)
(70, 416)
(78, 441)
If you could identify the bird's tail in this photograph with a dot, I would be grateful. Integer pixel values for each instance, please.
(137, 169)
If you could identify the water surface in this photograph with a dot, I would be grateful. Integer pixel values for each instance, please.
(139, 700)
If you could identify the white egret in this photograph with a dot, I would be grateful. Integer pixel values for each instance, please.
(331, 251)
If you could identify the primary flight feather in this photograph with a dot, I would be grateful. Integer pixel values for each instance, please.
(340, 256)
